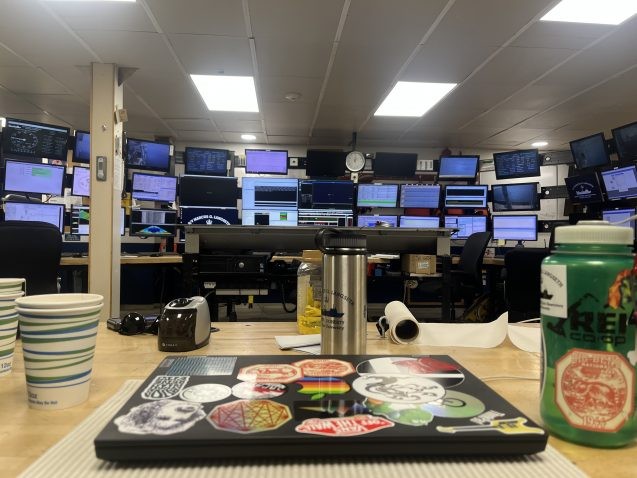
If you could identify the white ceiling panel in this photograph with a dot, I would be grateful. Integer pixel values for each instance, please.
(7, 58)
(538, 97)
(199, 136)
(274, 139)
(274, 88)
(574, 36)
(242, 125)
(29, 80)
(520, 135)
(11, 104)
(338, 118)
(76, 80)
(213, 55)
(281, 57)
(208, 17)
(114, 16)
(292, 117)
(190, 124)
(387, 123)
(145, 125)
(502, 118)
(64, 106)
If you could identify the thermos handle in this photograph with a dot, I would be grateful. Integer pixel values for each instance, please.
(318, 239)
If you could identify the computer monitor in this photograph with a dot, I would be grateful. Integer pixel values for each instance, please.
(377, 195)
(468, 197)
(458, 167)
(82, 148)
(147, 155)
(620, 183)
(326, 217)
(209, 191)
(269, 193)
(322, 163)
(419, 221)
(590, 152)
(615, 216)
(275, 218)
(516, 197)
(420, 195)
(395, 165)
(324, 194)
(380, 221)
(81, 185)
(584, 188)
(81, 218)
(524, 163)
(206, 161)
(226, 216)
(35, 211)
(266, 161)
(515, 228)
(35, 140)
(153, 222)
(35, 178)
(625, 138)
(152, 187)
(466, 225)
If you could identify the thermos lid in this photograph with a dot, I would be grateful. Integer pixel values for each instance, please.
(593, 232)
(344, 242)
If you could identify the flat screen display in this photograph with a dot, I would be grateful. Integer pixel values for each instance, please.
(326, 217)
(625, 138)
(420, 195)
(395, 165)
(275, 218)
(419, 221)
(322, 194)
(466, 225)
(35, 178)
(153, 222)
(325, 164)
(524, 163)
(208, 215)
(584, 188)
(266, 161)
(82, 149)
(515, 228)
(616, 216)
(458, 167)
(208, 191)
(620, 183)
(205, 161)
(516, 197)
(152, 187)
(377, 195)
(34, 211)
(466, 196)
(148, 155)
(269, 193)
(81, 218)
(590, 152)
(35, 140)
(81, 182)
(377, 221)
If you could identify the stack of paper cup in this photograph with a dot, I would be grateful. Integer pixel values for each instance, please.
(10, 290)
(59, 332)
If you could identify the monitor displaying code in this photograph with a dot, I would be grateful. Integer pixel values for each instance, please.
(205, 161)
(420, 195)
(32, 211)
(36, 178)
(151, 187)
(517, 164)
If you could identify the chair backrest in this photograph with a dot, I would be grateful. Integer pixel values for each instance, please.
(522, 284)
(473, 253)
(32, 250)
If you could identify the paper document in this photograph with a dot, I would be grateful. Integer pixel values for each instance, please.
(291, 341)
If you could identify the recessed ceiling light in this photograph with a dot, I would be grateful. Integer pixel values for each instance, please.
(539, 144)
(410, 98)
(248, 137)
(607, 12)
(227, 93)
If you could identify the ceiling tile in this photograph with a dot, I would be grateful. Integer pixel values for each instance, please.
(213, 55)
(11, 104)
(199, 136)
(239, 125)
(7, 58)
(113, 16)
(282, 57)
(274, 139)
(574, 36)
(190, 124)
(234, 137)
(212, 17)
(29, 80)
(76, 80)
(274, 88)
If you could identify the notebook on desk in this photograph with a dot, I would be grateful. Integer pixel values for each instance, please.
(211, 407)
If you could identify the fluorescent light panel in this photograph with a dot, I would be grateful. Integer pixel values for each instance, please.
(227, 93)
(539, 144)
(410, 98)
(248, 137)
(606, 12)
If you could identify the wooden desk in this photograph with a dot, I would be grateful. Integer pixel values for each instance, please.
(25, 434)
(140, 260)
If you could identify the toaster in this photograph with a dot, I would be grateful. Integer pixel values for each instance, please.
(184, 325)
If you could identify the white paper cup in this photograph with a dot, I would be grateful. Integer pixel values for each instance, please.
(8, 285)
(59, 301)
(8, 324)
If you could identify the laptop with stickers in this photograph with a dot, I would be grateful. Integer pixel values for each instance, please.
(216, 407)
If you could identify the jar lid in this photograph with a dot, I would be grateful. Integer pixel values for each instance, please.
(343, 241)
(312, 255)
(593, 232)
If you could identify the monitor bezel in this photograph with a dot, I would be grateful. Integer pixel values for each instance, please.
(537, 196)
(63, 168)
(400, 194)
(287, 157)
(189, 172)
(335, 153)
(615, 142)
(499, 155)
(412, 157)
(599, 187)
(493, 228)
(73, 182)
(132, 192)
(607, 154)
(35, 123)
(453, 186)
(459, 156)
(147, 168)
(400, 217)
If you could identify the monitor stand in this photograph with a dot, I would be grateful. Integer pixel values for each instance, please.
(519, 244)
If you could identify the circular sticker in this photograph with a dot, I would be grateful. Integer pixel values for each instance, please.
(455, 405)
(325, 367)
(398, 388)
(444, 373)
(415, 415)
(205, 393)
(270, 372)
(257, 391)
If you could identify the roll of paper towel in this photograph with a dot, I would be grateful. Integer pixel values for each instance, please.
(403, 328)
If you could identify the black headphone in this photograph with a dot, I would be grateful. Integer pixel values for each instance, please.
(134, 323)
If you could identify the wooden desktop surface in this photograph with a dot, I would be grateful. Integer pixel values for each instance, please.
(25, 434)
(139, 260)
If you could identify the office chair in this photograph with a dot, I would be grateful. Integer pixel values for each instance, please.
(32, 250)
(522, 282)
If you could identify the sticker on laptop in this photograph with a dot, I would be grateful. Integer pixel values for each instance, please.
(249, 416)
(258, 391)
(455, 405)
(398, 388)
(164, 386)
(325, 367)
(344, 426)
(270, 372)
(205, 393)
(329, 409)
(446, 374)
(318, 387)
(160, 417)
(415, 415)
(507, 426)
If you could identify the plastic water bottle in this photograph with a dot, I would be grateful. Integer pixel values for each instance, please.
(309, 292)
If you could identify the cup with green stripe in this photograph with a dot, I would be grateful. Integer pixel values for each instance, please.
(8, 328)
(11, 285)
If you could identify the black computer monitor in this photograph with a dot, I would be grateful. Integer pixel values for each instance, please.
(420, 195)
(395, 165)
(82, 148)
(466, 225)
(419, 221)
(153, 187)
(615, 216)
(524, 163)
(81, 185)
(33, 178)
(147, 155)
(81, 218)
(625, 138)
(269, 193)
(620, 183)
(266, 161)
(209, 191)
(590, 152)
(324, 163)
(34, 211)
(467, 197)
(377, 195)
(198, 215)
(458, 167)
(153, 222)
(515, 228)
(516, 197)
(273, 217)
(326, 217)
(584, 188)
(377, 221)
(34, 140)
(206, 161)
(323, 194)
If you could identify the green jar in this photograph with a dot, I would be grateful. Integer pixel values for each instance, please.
(588, 333)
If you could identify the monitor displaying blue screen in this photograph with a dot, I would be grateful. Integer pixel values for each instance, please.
(149, 155)
(590, 152)
(208, 215)
(34, 211)
(324, 194)
(36, 178)
(516, 197)
(458, 167)
(34, 140)
(152, 187)
(466, 196)
(265, 161)
(153, 222)
(466, 225)
(377, 221)
(515, 228)
(584, 188)
(517, 164)
(81, 182)
(269, 193)
(275, 218)
(420, 195)
(206, 161)
(82, 150)
(419, 221)
(615, 216)
(625, 138)
(377, 195)
(620, 183)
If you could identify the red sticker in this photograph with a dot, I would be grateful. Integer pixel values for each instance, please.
(249, 416)
(343, 426)
(270, 372)
(325, 367)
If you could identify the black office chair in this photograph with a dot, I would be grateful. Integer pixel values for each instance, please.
(522, 282)
(32, 250)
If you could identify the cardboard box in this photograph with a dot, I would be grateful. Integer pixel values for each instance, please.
(419, 263)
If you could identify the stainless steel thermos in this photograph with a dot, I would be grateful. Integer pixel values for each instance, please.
(344, 302)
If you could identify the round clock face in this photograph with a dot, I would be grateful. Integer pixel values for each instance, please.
(355, 161)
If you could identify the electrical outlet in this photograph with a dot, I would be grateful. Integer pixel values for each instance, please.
(294, 162)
